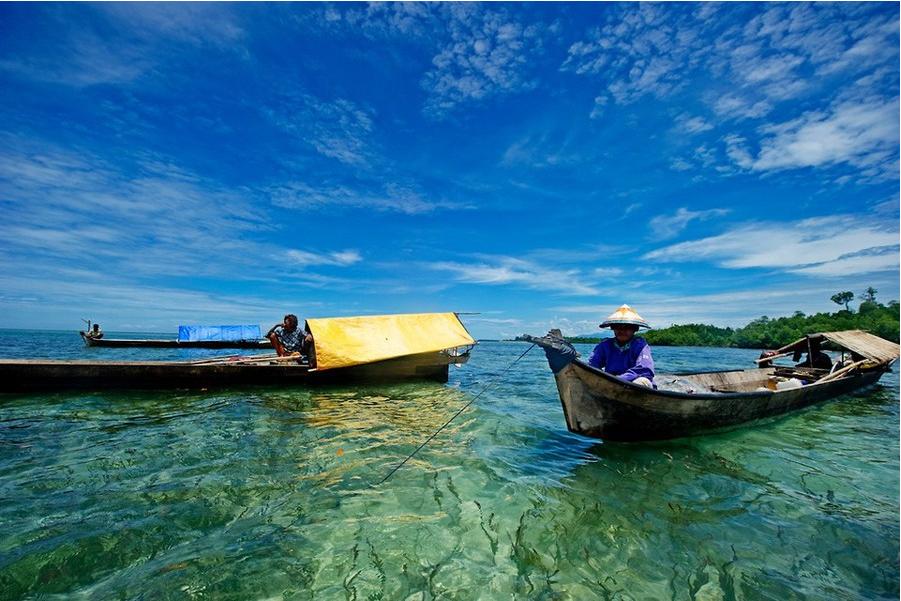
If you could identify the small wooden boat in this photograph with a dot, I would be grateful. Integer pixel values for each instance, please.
(150, 343)
(33, 375)
(600, 405)
(191, 336)
(345, 350)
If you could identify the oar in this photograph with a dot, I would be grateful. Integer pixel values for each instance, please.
(834, 375)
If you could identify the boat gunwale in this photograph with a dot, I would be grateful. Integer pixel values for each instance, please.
(707, 396)
(246, 361)
(248, 344)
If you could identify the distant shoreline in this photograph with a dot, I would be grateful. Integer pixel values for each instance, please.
(765, 333)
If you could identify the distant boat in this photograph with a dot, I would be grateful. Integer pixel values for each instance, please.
(213, 337)
(150, 343)
(345, 350)
(600, 405)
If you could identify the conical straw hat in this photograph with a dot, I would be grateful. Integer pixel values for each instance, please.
(625, 315)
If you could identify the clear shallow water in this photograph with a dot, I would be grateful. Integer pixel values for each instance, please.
(266, 493)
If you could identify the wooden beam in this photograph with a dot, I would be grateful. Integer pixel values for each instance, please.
(771, 357)
(841, 372)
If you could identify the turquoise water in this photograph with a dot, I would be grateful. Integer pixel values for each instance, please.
(267, 493)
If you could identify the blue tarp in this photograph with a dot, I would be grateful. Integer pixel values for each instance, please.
(206, 333)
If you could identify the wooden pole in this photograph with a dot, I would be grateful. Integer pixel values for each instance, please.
(230, 359)
(834, 375)
(771, 357)
(264, 359)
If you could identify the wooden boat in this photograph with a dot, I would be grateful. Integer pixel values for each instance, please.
(33, 375)
(600, 405)
(346, 350)
(150, 343)
(191, 336)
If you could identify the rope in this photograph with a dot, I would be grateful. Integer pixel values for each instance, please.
(453, 417)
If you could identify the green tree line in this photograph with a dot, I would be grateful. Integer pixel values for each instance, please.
(764, 332)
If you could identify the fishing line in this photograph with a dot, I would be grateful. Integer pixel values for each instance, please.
(453, 417)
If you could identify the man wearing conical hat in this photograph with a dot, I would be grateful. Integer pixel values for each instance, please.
(626, 355)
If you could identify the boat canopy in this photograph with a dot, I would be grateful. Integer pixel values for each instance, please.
(208, 333)
(862, 343)
(346, 341)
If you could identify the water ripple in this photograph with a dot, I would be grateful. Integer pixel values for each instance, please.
(268, 493)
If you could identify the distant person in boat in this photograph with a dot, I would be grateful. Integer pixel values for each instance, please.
(94, 333)
(288, 338)
(764, 355)
(815, 357)
(626, 355)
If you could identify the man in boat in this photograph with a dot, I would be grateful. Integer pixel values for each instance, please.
(95, 333)
(288, 338)
(815, 357)
(626, 355)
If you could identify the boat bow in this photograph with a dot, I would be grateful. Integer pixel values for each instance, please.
(558, 351)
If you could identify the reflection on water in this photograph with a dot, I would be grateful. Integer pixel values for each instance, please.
(267, 493)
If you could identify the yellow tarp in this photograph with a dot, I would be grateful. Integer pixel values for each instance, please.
(345, 341)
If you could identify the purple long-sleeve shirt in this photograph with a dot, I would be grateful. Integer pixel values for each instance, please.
(629, 362)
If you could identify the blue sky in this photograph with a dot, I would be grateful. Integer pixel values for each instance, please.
(540, 164)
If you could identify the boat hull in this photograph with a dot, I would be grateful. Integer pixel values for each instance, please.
(599, 405)
(51, 375)
(149, 343)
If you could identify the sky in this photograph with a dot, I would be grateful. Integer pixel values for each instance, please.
(535, 164)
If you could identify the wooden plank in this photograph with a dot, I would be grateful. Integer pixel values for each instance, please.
(841, 372)
(228, 359)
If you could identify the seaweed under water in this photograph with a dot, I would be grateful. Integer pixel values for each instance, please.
(269, 493)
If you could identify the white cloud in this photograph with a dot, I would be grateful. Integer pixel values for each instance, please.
(811, 246)
(667, 226)
(861, 134)
(631, 208)
(380, 196)
(88, 60)
(877, 259)
(119, 44)
(746, 62)
(510, 270)
(679, 164)
(122, 305)
(72, 203)
(195, 23)
(338, 129)
(606, 272)
(830, 36)
(541, 150)
(141, 219)
(375, 20)
(488, 54)
(642, 49)
(337, 258)
(692, 125)
(737, 151)
(737, 107)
